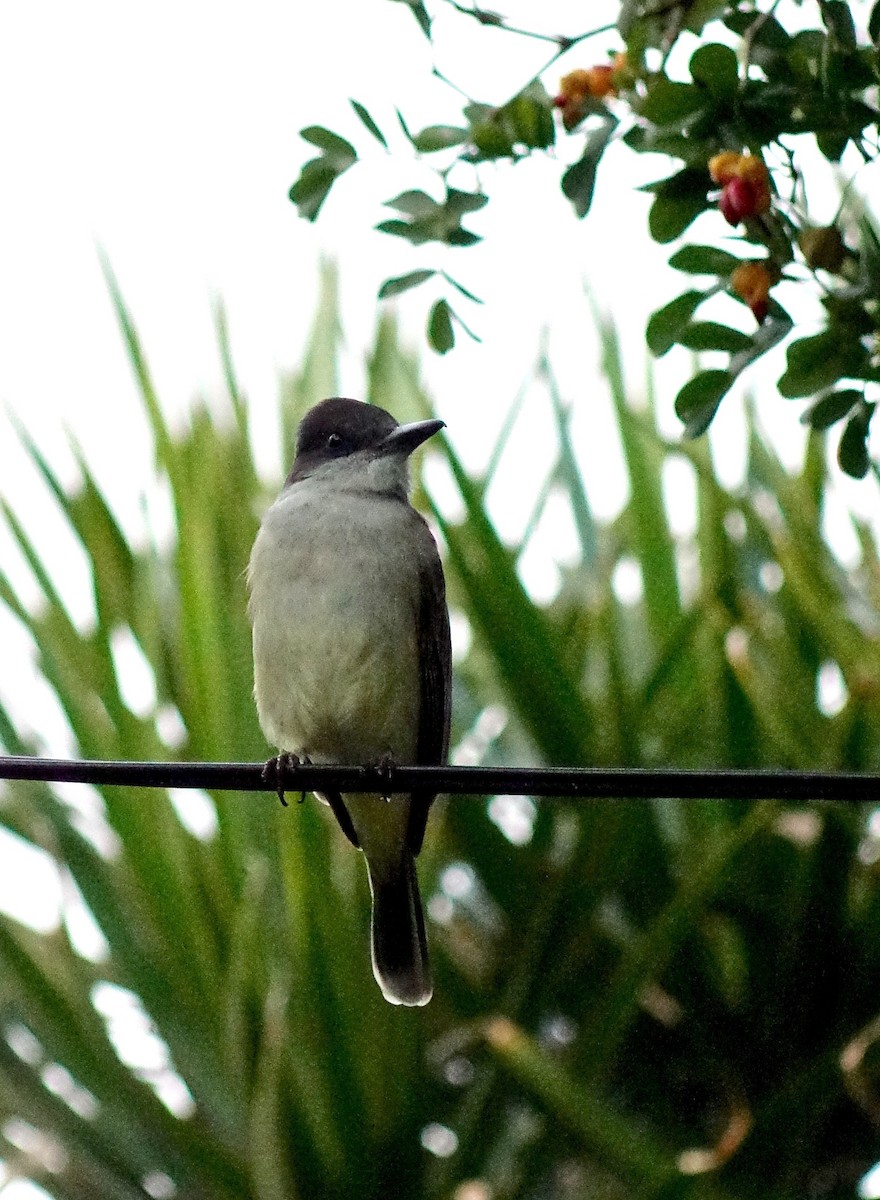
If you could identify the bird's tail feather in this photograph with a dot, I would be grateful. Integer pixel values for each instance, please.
(398, 944)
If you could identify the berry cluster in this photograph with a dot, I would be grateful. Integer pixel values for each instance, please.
(745, 185)
(580, 89)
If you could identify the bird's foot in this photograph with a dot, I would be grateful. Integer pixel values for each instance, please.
(384, 765)
(273, 772)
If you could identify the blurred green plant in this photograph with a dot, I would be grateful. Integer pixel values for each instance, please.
(790, 96)
(633, 999)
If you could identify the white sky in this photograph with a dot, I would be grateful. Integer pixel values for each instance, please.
(168, 135)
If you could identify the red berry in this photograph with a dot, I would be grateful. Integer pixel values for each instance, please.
(738, 200)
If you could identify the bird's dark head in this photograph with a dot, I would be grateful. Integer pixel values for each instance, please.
(363, 436)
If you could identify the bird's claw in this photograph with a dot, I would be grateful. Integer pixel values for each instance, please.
(274, 770)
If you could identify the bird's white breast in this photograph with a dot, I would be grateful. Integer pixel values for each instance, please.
(334, 603)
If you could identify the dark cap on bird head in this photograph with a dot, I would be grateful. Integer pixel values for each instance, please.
(339, 427)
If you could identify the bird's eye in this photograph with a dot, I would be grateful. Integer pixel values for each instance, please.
(334, 441)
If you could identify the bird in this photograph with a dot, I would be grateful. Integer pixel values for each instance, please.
(351, 647)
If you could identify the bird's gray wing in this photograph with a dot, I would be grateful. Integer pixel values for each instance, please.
(435, 669)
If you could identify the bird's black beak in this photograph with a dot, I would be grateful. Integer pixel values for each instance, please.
(406, 438)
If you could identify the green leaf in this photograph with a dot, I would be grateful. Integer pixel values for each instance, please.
(667, 323)
(527, 646)
(441, 334)
(844, 72)
(418, 10)
(668, 219)
(614, 1141)
(317, 176)
(403, 125)
(818, 362)
(431, 221)
(310, 191)
(699, 12)
(694, 151)
(404, 229)
(679, 200)
(460, 203)
(414, 204)
(839, 22)
(852, 450)
(805, 55)
(439, 137)
(710, 335)
(403, 283)
(579, 181)
(477, 114)
(769, 43)
(530, 115)
(461, 237)
(765, 30)
(697, 402)
(691, 183)
(669, 103)
(569, 473)
(715, 68)
(620, 1002)
(831, 407)
(874, 23)
(336, 148)
(647, 518)
(832, 145)
(492, 140)
(704, 260)
(526, 120)
(369, 123)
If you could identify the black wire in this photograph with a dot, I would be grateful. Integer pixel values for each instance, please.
(583, 782)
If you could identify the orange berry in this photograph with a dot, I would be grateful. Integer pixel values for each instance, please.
(597, 82)
(601, 83)
(752, 281)
(574, 91)
(752, 168)
(573, 86)
(722, 167)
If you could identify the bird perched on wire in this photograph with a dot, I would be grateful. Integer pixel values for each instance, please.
(351, 649)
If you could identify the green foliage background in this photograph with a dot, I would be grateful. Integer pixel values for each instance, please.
(646, 999)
